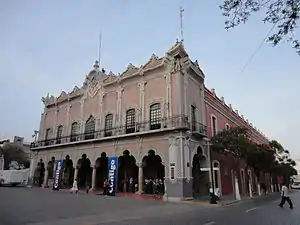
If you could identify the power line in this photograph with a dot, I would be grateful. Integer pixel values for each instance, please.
(257, 49)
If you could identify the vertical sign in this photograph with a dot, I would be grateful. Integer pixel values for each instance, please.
(112, 175)
(57, 176)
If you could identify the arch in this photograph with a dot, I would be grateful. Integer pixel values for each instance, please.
(101, 166)
(130, 121)
(200, 173)
(227, 126)
(68, 172)
(154, 172)
(50, 167)
(89, 130)
(84, 171)
(127, 172)
(155, 116)
(38, 177)
(75, 130)
(214, 124)
(108, 125)
(59, 133)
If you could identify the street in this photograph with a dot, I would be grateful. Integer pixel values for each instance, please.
(23, 206)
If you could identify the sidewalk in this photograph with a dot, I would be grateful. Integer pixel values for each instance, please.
(229, 200)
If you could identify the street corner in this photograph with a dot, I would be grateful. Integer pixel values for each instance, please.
(202, 203)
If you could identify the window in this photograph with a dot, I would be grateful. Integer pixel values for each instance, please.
(47, 136)
(75, 129)
(130, 121)
(193, 117)
(89, 130)
(59, 134)
(227, 126)
(214, 125)
(155, 116)
(108, 125)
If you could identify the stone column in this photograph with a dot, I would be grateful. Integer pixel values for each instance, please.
(177, 184)
(46, 179)
(75, 174)
(140, 179)
(93, 188)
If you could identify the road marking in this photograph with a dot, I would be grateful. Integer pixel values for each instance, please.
(210, 223)
(249, 210)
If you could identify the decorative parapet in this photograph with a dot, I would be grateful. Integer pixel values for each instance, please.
(221, 100)
(99, 77)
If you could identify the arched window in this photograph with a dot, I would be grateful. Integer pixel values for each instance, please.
(130, 121)
(155, 116)
(89, 130)
(48, 136)
(108, 125)
(213, 125)
(59, 134)
(75, 129)
(193, 117)
(227, 126)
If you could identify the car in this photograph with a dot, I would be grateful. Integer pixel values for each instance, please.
(296, 185)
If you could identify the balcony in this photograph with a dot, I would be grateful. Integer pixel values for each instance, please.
(140, 128)
(198, 129)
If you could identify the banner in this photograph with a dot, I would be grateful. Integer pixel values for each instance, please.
(57, 176)
(112, 175)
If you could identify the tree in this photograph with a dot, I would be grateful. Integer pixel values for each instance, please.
(234, 141)
(14, 152)
(284, 164)
(282, 14)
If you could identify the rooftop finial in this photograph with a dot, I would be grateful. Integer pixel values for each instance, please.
(96, 65)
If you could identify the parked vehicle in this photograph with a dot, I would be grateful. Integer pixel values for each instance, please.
(13, 177)
(296, 185)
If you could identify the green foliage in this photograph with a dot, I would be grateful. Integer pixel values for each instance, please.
(282, 14)
(272, 158)
(234, 141)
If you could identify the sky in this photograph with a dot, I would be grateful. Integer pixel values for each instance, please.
(49, 46)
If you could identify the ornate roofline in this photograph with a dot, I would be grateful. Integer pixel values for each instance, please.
(221, 100)
(107, 79)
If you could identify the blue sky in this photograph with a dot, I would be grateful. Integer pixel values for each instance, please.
(49, 46)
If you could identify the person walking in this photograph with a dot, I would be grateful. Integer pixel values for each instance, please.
(285, 197)
(74, 188)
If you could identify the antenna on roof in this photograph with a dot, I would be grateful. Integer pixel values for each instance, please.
(181, 22)
(100, 46)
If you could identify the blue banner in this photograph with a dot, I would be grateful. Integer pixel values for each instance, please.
(112, 175)
(57, 175)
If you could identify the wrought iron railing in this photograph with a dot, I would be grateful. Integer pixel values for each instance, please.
(176, 122)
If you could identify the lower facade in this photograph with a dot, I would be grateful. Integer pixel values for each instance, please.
(171, 164)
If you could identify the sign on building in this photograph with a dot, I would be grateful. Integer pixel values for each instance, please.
(57, 177)
(112, 175)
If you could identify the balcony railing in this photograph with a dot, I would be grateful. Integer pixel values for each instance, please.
(177, 122)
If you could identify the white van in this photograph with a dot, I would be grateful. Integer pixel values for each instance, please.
(14, 177)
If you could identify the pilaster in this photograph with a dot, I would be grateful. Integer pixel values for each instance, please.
(119, 106)
(178, 184)
(82, 122)
(67, 130)
(142, 101)
(100, 111)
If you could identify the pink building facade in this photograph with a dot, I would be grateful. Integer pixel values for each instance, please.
(220, 116)
(158, 114)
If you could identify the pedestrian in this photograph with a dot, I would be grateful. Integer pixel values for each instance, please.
(285, 196)
(105, 187)
(74, 188)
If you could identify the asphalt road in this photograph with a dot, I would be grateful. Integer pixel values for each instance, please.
(23, 206)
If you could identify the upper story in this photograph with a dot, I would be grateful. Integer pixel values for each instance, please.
(220, 116)
(166, 92)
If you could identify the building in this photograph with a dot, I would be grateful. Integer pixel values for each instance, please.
(155, 115)
(17, 140)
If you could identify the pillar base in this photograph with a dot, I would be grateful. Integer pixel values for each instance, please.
(179, 189)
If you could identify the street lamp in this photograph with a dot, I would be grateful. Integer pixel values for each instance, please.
(213, 197)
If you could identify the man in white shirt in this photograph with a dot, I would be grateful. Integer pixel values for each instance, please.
(285, 196)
